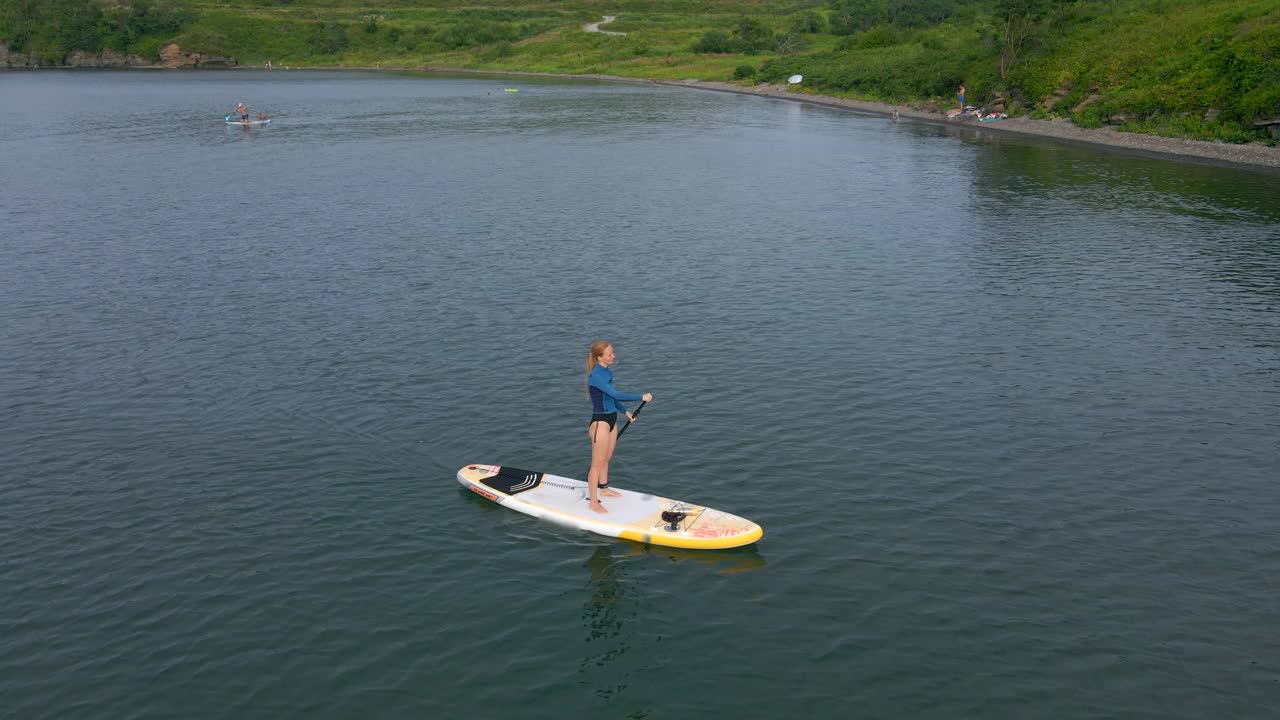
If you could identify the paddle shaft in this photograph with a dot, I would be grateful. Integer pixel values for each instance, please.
(634, 414)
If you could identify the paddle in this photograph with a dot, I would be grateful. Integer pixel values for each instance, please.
(621, 430)
(634, 415)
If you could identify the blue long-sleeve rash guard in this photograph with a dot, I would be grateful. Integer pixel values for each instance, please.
(605, 398)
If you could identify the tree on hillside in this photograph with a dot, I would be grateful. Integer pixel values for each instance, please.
(57, 27)
(753, 35)
(123, 25)
(18, 20)
(74, 25)
(1022, 19)
(918, 13)
(810, 21)
(750, 36)
(853, 16)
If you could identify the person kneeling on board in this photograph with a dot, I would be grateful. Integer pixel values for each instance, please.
(606, 403)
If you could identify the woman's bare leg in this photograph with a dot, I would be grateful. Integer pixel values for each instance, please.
(599, 472)
(612, 438)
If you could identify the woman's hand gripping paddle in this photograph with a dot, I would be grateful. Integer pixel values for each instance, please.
(633, 415)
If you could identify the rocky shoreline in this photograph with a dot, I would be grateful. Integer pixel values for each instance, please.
(172, 57)
(1254, 154)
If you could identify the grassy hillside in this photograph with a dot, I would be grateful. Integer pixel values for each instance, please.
(1192, 68)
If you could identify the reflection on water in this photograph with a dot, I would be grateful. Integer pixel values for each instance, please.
(1087, 220)
(723, 562)
(1009, 169)
(607, 616)
(617, 644)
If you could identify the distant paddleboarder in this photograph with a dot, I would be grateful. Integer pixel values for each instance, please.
(243, 111)
(606, 404)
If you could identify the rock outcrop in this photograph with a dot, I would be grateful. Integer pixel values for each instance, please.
(79, 58)
(1090, 100)
(1052, 101)
(172, 56)
(16, 60)
(1272, 124)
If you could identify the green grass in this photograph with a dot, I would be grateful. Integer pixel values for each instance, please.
(1156, 66)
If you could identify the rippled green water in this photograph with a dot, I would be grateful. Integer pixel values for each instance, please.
(1007, 410)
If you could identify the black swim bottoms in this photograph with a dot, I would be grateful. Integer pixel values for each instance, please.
(611, 418)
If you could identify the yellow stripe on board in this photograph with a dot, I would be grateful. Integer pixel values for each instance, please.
(694, 543)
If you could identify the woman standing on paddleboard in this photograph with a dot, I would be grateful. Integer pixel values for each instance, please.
(603, 428)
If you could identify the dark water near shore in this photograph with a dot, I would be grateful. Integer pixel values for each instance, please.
(1008, 411)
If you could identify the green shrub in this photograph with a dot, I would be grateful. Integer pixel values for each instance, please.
(882, 36)
(499, 50)
(742, 72)
(203, 40)
(777, 69)
(1090, 117)
(472, 33)
(810, 21)
(753, 36)
(714, 41)
(329, 38)
(853, 16)
(148, 48)
(1236, 134)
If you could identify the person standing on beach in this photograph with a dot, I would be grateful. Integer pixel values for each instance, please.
(606, 403)
(960, 94)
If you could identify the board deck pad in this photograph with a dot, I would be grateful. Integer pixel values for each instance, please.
(513, 481)
(633, 516)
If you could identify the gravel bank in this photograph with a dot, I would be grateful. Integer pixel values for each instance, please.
(1256, 155)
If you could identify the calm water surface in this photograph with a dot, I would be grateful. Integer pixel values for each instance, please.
(1009, 411)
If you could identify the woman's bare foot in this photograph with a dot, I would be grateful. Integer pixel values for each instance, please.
(610, 492)
(597, 507)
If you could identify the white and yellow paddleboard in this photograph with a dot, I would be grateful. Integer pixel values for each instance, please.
(634, 516)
